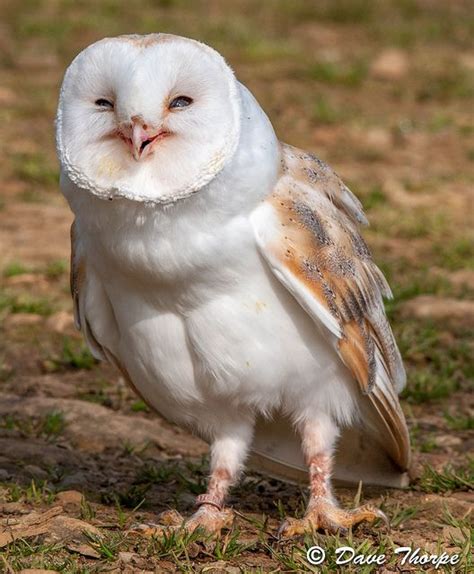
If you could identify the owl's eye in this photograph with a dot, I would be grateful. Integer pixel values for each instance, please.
(180, 102)
(104, 104)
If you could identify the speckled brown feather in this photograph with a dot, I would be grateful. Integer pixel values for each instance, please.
(322, 248)
(316, 243)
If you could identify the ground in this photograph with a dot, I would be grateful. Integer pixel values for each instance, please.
(383, 91)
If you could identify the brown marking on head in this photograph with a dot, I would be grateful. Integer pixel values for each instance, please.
(147, 40)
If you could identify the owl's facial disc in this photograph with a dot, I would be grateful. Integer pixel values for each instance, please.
(152, 118)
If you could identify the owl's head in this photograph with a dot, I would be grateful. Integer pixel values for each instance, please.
(149, 118)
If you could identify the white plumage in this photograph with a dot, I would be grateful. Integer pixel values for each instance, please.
(222, 272)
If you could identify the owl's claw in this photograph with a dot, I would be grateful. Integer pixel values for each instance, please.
(208, 518)
(325, 515)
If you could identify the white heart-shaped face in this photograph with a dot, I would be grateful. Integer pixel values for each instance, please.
(150, 118)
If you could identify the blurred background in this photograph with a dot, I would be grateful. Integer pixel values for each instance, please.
(384, 92)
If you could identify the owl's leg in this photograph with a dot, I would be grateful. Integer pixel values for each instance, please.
(228, 454)
(323, 513)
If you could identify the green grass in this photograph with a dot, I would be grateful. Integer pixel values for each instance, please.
(449, 479)
(324, 112)
(15, 268)
(16, 303)
(348, 75)
(373, 198)
(74, 355)
(154, 473)
(35, 169)
(35, 492)
(456, 254)
(53, 424)
(426, 385)
(435, 368)
(452, 83)
(24, 554)
(98, 396)
(402, 515)
(460, 422)
(56, 269)
(34, 195)
(48, 426)
(106, 545)
(139, 407)
(131, 497)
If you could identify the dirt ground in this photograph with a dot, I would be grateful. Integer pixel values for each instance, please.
(384, 92)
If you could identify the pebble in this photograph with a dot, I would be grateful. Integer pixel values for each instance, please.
(390, 65)
(60, 322)
(69, 498)
(22, 320)
(456, 311)
(36, 471)
(4, 474)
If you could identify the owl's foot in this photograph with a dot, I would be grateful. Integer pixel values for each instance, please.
(209, 519)
(323, 514)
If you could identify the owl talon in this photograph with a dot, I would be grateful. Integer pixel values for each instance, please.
(328, 517)
(170, 518)
(207, 518)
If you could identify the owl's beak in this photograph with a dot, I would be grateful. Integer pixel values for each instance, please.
(140, 139)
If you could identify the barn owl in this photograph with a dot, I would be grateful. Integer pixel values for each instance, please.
(223, 273)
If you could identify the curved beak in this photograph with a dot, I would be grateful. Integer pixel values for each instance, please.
(140, 138)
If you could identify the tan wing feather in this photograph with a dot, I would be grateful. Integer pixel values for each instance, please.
(307, 231)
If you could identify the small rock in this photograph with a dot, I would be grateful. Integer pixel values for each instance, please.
(456, 311)
(434, 504)
(219, 567)
(65, 528)
(4, 474)
(378, 139)
(453, 533)
(22, 320)
(60, 322)
(36, 472)
(461, 278)
(69, 498)
(77, 479)
(467, 60)
(127, 557)
(22, 280)
(28, 280)
(83, 550)
(7, 96)
(390, 65)
(37, 571)
(36, 58)
(13, 508)
(447, 440)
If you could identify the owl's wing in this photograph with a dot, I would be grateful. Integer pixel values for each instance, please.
(307, 231)
(78, 284)
(83, 282)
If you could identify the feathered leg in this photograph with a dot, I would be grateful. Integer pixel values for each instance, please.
(323, 513)
(228, 453)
